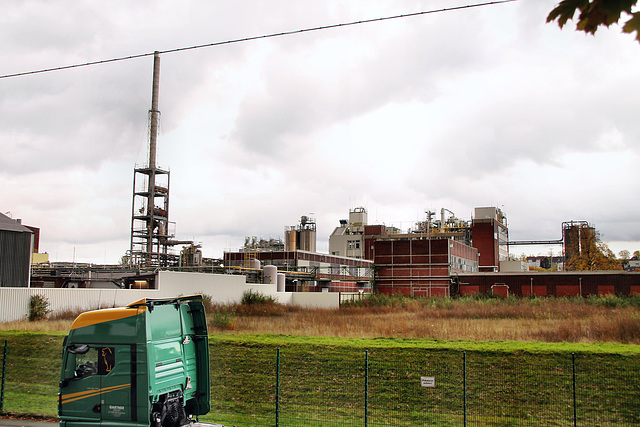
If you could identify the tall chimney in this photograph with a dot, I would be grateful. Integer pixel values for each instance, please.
(153, 139)
(155, 113)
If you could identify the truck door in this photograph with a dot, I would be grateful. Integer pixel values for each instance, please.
(96, 383)
(118, 385)
(80, 384)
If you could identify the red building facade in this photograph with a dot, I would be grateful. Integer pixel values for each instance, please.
(490, 236)
(554, 283)
(420, 267)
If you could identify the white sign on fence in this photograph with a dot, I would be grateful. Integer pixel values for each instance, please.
(428, 381)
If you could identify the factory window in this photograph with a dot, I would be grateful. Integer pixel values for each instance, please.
(353, 244)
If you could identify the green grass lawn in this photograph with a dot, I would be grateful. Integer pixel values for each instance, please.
(327, 381)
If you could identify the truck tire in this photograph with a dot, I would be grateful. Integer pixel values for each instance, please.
(169, 411)
(156, 419)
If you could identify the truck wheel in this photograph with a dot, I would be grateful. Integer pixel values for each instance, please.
(156, 419)
(174, 415)
(169, 411)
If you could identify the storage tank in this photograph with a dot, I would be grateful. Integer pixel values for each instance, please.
(255, 263)
(270, 274)
(290, 240)
(281, 282)
(307, 240)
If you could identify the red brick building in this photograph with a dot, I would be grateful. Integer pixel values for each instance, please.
(490, 236)
(552, 283)
(420, 267)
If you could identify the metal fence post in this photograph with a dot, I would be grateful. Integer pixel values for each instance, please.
(278, 388)
(575, 410)
(4, 373)
(366, 388)
(464, 387)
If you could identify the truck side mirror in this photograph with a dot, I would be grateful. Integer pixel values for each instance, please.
(81, 349)
(68, 367)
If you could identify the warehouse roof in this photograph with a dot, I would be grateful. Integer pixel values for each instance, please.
(8, 224)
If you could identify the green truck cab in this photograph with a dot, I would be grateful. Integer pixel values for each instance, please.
(146, 364)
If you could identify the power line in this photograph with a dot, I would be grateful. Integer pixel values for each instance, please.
(266, 36)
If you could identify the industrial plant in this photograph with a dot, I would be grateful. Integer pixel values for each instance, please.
(442, 255)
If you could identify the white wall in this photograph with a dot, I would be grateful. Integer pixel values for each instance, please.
(512, 266)
(316, 299)
(222, 288)
(231, 290)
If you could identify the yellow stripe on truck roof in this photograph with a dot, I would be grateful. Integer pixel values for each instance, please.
(99, 316)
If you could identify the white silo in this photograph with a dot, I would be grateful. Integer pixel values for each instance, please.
(281, 282)
(270, 275)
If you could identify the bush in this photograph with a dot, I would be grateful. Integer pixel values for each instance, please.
(207, 302)
(250, 297)
(66, 314)
(38, 308)
(257, 304)
(378, 300)
(614, 301)
(268, 308)
(222, 317)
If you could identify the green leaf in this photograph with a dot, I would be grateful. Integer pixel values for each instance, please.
(594, 13)
(565, 11)
(632, 25)
(616, 6)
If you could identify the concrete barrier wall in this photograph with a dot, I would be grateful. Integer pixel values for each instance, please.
(316, 299)
(222, 288)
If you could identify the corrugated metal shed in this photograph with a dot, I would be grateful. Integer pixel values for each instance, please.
(15, 253)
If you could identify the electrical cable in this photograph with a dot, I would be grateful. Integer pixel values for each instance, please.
(266, 36)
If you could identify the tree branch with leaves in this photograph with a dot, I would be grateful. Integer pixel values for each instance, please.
(594, 13)
(592, 254)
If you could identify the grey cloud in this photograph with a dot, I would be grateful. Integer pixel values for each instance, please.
(299, 98)
(556, 94)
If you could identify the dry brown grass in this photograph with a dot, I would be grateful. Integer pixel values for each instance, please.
(622, 326)
(551, 320)
(39, 325)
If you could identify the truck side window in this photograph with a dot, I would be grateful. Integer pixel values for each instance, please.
(100, 361)
(87, 363)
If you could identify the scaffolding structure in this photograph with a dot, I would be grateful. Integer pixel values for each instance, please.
(150, 234)
(150, 227)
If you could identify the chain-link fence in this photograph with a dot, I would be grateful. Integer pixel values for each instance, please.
(264, 386)
(310, 384)
(3, 372)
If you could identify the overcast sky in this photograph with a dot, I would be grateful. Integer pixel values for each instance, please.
(486, 106)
